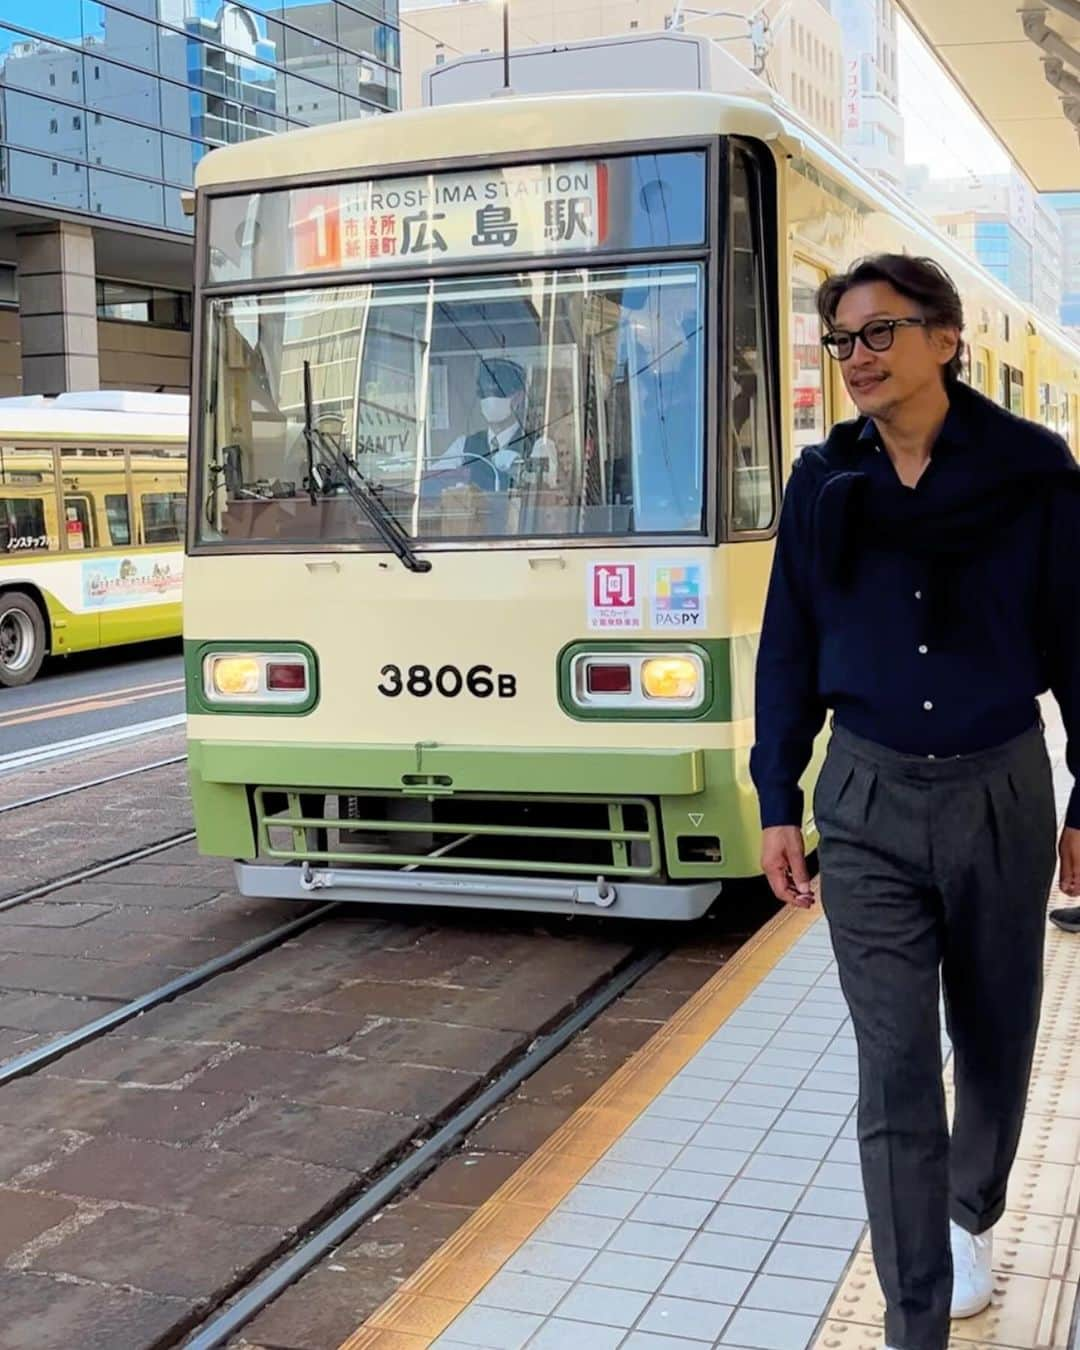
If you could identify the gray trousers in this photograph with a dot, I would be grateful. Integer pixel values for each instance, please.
(927, 867)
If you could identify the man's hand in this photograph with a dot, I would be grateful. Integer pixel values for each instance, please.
(1069, 853)
(783, 860)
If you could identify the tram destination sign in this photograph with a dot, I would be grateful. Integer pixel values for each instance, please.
(535, 209)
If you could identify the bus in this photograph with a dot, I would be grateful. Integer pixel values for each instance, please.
(93, 500)
(495, 405)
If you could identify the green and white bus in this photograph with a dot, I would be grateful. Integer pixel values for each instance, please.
(93, 497)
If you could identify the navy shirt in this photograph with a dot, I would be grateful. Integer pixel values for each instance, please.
(863, 649)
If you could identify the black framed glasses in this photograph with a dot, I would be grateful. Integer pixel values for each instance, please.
(876, 336)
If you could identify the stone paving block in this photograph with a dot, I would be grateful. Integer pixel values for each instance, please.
(734, 1253)
(810, 1122)
(553, 1260)
(41, 1313)
(672, 1210)
(521, 1125)
(691, 1185)
(716, 1134)
(522, 1293)
(59, 914)
(22, 1146)
(796, 1261)
(840, 1176)
(262, 1192)
(757, 1329)
(715, 1284)
(821, 1232)
(330, 1135)
(844, 1151)
(173, 1254)
(493, 1328)
(644, 1273)
(104, 891)
(648, 1152)
(649, 1239)
(661, 1130)
(757, 1094)
(606, 1202)
(53, 1016)
(558, 1333)
(764, 1194)
(693, 1318)
(709, 1089)
(772, 1075)
(594, 1303)
(835, 1204)
(775, 1167)
(129, 1059)
(204, 1024)
(468, 1178)
(25, 1215)
(590, 1231)
(718, 1162)
(827, 1103)
(737, 1116)
(623, 1176)
(773, 1293)
(742, 1221)
(79, 977)
(671, 1105)
(648, 1340)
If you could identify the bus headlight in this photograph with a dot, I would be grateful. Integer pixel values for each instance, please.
(671, 677)
(252, 679)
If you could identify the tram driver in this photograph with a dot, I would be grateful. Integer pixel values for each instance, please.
(488, 457)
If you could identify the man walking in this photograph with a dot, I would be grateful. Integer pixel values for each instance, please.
(926, 590)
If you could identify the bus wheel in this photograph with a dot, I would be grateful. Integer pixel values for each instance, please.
(22, 639)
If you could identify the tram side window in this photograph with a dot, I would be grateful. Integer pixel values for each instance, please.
(78, 522)
(28, 522)
(807, 353)
(749, 438)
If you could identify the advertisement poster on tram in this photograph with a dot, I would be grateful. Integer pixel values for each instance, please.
(532, 209)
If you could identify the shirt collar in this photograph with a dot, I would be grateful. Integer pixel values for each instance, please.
(955, 432)
(507, 436)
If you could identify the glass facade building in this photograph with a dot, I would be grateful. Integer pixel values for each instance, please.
(105, 109)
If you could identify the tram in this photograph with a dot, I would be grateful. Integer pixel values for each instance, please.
(494, 407)
(93, 497)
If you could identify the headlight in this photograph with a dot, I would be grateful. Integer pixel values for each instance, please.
(271, 678)
(633, 681)
(670, 677)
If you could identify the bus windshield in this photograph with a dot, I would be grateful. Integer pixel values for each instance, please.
(541, 404)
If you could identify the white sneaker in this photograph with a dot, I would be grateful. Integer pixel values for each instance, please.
(973, 1279)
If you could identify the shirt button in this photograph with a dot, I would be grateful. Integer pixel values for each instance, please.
(918, 595)
(931, 756)
(928, 706)
(923, 648)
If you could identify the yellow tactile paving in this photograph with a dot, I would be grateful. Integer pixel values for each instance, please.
(1037, 1242)
(433, 1297)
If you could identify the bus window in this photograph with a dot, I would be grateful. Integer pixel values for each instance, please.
(749, 439)
(79, 523)
(163, 515)
(119, 519)
(807, 355)
(28, 521)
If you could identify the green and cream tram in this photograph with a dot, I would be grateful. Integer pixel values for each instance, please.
(493, 414)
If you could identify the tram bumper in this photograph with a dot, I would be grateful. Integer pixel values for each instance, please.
(633, 832)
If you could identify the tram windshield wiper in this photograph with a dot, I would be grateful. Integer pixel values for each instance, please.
(325, 454)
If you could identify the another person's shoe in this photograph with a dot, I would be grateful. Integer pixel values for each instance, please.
(1066, 918)
(973, 1279)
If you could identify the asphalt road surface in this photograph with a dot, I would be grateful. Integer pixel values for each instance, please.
(92, 695)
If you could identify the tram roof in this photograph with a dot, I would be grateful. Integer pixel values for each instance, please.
(1012, 67)
(492, 127)
(96, 416)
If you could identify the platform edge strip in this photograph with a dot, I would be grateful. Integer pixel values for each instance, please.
(444, 1285)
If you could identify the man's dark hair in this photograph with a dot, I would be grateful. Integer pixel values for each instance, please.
(919, 279)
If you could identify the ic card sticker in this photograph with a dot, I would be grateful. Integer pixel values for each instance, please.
(614, 596)
(678, 596)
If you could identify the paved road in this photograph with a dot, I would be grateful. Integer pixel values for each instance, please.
(90, 694)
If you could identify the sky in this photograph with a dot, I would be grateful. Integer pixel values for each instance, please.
(940, 128)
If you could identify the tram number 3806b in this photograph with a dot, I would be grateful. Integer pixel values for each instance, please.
(449, 681)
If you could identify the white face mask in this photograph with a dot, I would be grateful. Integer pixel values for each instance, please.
(496, 410)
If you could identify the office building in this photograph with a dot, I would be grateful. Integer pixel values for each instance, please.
(105, 109)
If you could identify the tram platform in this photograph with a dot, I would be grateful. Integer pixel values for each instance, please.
(709, 1193)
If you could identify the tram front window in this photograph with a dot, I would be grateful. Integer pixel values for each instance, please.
(536, 405)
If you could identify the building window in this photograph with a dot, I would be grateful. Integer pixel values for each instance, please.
(76, 123)
(633, 24)
(97, 72)
(74, 77)
(130, 302)
(54, 169)
(52, 78)
(54, 126)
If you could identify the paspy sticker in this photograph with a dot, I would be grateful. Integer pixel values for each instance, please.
(678, 596)
(614, 596)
